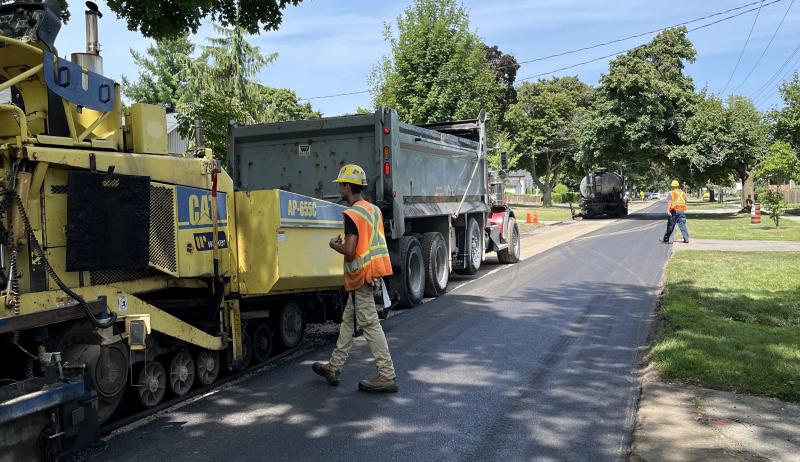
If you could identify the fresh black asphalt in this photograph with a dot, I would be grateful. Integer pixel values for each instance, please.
(536, 361)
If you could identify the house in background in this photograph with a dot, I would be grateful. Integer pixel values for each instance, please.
(519, 182)
(176, 144)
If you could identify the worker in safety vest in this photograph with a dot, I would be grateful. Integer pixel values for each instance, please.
(366, 262)
(676, 210)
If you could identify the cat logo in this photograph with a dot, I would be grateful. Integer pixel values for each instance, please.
(194, 208)
(304, 150)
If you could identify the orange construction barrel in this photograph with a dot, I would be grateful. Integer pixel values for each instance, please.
(755, 214)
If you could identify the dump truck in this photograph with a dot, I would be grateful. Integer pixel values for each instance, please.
(431, 182)
(603, 194)
(127, 271)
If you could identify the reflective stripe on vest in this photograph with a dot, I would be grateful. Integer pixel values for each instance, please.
(678, 200)
(372, 255)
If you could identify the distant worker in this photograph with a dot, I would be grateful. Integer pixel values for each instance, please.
(676, 210)
(366, 262)
(641, 195)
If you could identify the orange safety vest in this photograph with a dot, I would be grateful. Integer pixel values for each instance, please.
(677, 201)
(372, 255)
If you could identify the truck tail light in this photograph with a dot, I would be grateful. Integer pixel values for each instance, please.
(386, 130)
(386, 169)
(386, 152)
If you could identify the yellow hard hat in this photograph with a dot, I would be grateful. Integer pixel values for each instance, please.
(352, 173)
(675, 183)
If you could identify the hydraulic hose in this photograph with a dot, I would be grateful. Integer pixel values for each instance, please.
(37, 249)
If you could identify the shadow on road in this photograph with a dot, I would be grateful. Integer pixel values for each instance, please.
(515, 372)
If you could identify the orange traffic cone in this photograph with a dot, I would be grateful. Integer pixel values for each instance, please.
(528, 218)
(535, 217)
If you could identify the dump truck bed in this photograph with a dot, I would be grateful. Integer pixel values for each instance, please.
(412, 171)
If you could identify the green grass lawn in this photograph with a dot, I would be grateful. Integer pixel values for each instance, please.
(713, 205)
(732, 321)
(544, 213)
(738, 227)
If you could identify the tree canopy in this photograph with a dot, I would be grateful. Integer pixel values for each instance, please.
(505, 68)
(787, 120)
(164, 73)
(641, 103)
(166, 19)
(219, 86)
(544, 126)
(437, 67)
(780, 165)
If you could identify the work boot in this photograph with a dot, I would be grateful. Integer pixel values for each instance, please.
(330, 374)
(686, 241)
(378, 384)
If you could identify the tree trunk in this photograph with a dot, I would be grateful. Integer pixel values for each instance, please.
(721, 196)
(547, 195)
(711, 197)
(748, 190)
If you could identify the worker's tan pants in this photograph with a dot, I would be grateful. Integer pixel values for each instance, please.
(373, 332)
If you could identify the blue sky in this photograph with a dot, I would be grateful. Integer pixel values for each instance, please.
(329, 46)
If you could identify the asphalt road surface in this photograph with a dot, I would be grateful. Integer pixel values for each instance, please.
(534, 361)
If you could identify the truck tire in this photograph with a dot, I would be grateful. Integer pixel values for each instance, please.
(511, 253)
(437, 270)
(409, 282)
(474, 251)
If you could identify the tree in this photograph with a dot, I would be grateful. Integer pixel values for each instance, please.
(437, 68)
(164, 19)
(224, 89)
(505, 68)
(780, 165)
(281, 104)
(787, 120)
(544, 125)
(775, 204)
(215, 111)
(218, 87)
(164, 73)
(747, 133)
(231, 63)
(720, 140)
(705, 146)
(641, 104)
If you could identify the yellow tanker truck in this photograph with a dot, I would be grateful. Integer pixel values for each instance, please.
(125, 267)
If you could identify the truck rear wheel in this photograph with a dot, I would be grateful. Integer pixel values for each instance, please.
(473, 254)
(512, 252)
(437, 270)
(409, 283)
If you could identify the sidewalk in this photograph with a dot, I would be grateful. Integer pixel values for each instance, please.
(738, 246)
(686, 423)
